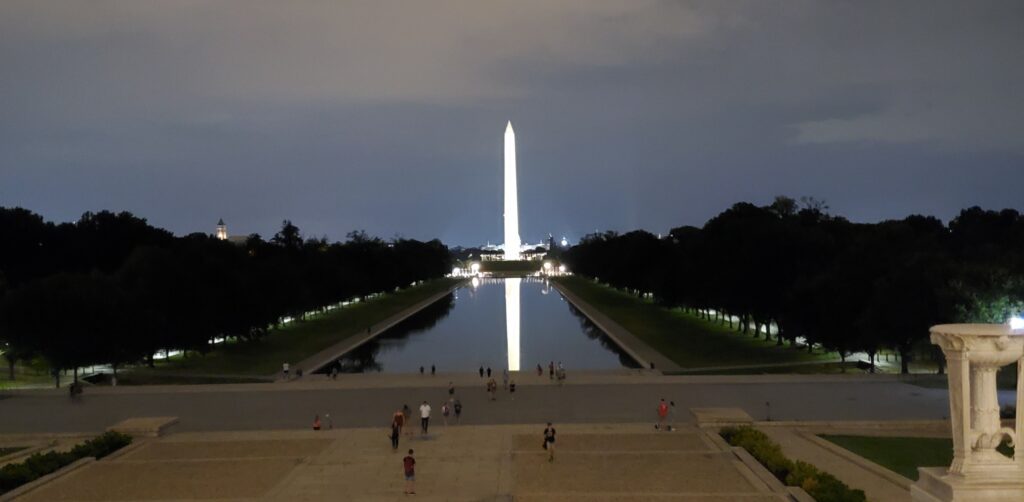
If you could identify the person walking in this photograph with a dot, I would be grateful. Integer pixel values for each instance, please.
(512, 389)
(551, 370)
(488, 372)
(398, 419)
(451, 390)
(284, 369)
(446, 410)
(549, 441)
(316, 422)
(409, 467)
(407, 413)
(424, 417)
(396, 432)
(481, 372)
(421, 370)
(540, 370)
(433, 370)
(458, 411)
(662, 415)
(504, 378)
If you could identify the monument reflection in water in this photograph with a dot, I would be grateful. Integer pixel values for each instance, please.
(464, 331)
(512, 321)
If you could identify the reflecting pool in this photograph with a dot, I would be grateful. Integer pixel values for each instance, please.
(513, 323)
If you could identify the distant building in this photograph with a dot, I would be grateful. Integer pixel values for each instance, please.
(222, 234)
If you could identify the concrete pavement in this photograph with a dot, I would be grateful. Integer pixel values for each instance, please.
(595, 398)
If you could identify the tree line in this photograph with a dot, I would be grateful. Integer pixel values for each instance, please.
(112, 289)
(847, 287)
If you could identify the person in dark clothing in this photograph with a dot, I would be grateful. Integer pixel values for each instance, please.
(396, 432)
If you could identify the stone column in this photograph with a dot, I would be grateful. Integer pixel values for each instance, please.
(979, 473)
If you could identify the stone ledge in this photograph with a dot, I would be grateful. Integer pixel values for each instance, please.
(858, 460)
(720, 417)
(935, 485)
(27, 487)
(144, 426)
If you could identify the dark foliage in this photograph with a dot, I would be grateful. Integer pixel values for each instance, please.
(111, 289)
(844, 286)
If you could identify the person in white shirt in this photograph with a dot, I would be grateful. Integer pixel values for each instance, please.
(424, 416)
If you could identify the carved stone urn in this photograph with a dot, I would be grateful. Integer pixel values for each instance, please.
(974, 353)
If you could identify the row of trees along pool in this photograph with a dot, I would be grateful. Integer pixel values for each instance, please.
(848, 287)
(112, 289)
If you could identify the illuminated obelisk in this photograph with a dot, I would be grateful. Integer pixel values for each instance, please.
(511, 203)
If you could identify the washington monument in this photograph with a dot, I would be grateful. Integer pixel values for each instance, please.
(512, 243)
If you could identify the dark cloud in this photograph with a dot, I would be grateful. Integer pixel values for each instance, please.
(388, 116)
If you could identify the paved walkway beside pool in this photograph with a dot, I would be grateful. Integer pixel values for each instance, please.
(618, 462)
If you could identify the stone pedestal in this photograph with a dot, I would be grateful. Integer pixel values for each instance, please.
(974, 353)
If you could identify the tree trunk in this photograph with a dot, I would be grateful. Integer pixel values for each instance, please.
(149, 360)
(778, 336)
(10, 368)
(904, 361)
(76, 374)
(113, 382)
(871, 355)
(56, 379)
(842, 359)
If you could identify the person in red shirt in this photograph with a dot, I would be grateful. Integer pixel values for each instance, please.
(409, 465)
(662, 414)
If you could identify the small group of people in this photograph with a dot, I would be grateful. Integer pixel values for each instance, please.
(508, 383)
(553, 371)
(400, 419)
(433, 370)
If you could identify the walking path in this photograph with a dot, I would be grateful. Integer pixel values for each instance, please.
(644, 354)
(361, 402)
(332, 353)
(594, 462)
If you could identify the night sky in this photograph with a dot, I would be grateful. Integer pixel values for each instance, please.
(388, 115)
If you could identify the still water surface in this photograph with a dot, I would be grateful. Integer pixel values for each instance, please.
(470, 328)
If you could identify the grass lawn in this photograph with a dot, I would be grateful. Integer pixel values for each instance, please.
(292, 342)
(817, 368)
(688, 340)
(903, 455)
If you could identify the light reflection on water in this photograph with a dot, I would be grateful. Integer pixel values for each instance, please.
(463, 332)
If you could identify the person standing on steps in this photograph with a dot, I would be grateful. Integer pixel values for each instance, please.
(407, 413)
(662, 415)
(396, 432)
(424, 417)
(398, 419)
(409, 467)
(549, 441)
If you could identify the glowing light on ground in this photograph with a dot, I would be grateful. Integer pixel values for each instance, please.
(1016, 323)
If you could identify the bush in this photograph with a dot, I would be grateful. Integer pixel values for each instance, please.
(821, 485)
(102, 445)
(41, 464)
